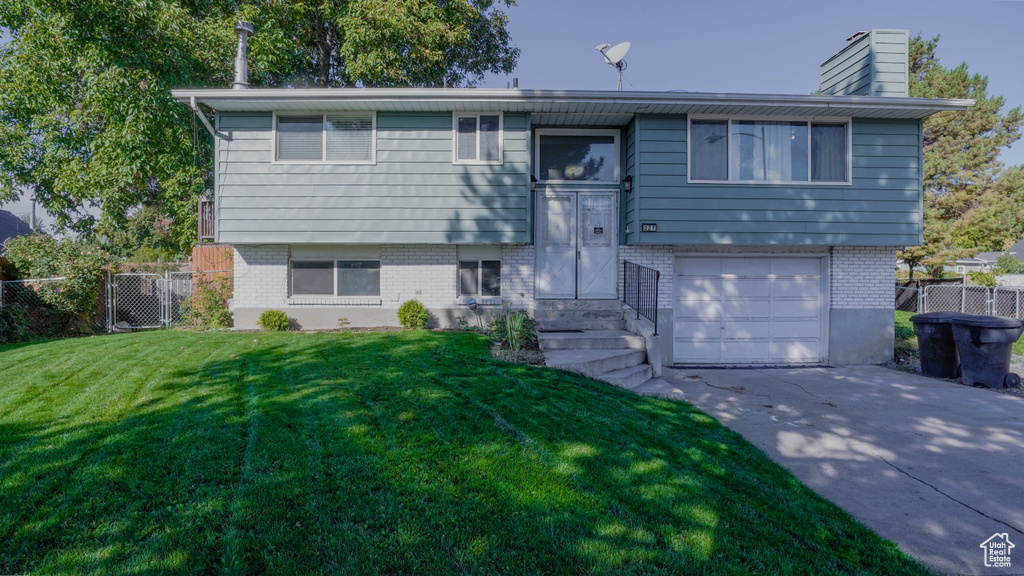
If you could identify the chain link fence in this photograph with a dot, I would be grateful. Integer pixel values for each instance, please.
(1006, 302)
(126, 301)
(908, 298)
(25, 311)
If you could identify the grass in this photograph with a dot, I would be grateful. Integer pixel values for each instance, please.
(381, 453)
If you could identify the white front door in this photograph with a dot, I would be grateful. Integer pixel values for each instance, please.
(577, 244)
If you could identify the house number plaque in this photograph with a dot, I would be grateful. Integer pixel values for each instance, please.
(648, 227)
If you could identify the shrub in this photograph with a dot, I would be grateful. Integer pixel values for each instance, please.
(72, 300)
(207, 307)
(983, 278)
(13, 324)
(273, 321)
(413, 314)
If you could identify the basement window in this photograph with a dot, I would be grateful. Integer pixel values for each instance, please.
(326, 138)
(335, 278)
(480, 278)
(477, 138)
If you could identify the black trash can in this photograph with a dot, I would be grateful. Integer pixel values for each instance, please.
(939, 357)
(985, 344)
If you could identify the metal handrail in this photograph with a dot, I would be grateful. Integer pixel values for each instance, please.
(640, 291)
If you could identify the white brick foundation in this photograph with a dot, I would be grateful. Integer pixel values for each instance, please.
(261, 276)
(427, 273)
(862, 276)
(517, 278)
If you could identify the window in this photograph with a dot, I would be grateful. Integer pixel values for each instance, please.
(478, 138)
(480, 277)
(336, 138)
(769, 151)
(335, 278)
(577, 156)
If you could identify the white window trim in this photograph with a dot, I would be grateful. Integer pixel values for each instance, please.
(728, 149)
(576, 132)
(479, 278)
(323, 139)
(334, 278)
(455, 138)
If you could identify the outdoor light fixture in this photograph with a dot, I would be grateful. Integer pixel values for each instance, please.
(533, 183)
(627, 184)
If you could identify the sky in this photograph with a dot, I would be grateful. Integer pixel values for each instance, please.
(746, 46)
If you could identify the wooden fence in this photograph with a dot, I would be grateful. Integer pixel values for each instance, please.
(211, 257)
(3, 263)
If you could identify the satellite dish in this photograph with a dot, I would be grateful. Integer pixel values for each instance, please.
(614, 56)
(616, 53)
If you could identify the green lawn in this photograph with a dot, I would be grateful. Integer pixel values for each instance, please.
(381, 453)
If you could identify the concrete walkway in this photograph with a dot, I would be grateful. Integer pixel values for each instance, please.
(934, 466)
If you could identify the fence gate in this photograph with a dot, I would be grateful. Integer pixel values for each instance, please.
(139, 300)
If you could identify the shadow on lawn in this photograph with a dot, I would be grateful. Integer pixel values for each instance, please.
(404, 453)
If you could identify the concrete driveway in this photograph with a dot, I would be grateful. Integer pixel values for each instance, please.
(934, 466)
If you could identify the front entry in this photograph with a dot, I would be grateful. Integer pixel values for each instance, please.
(577, 244)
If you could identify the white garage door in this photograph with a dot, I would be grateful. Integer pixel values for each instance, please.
(748, 310)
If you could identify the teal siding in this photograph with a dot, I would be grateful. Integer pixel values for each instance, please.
(882, 207)
(873, 65)
(413, 194)
(628, 222)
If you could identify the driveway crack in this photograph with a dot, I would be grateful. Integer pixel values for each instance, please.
(964, 504)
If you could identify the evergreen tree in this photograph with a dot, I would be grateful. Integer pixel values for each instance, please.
(961, 152)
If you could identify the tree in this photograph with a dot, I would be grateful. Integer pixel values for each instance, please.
(1008, 264)
(961, 151)
(86, 117)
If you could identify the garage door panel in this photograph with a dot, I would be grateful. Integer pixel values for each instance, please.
(746, 288)
(807, 308)
(697, 310)
(746, 266)
(748, 329)
(802, 330)
(702, 330)
(747, 351)
(733, 309)
(700, 267)
(698, 351)
(796, 266)
(797, 286)
(795, 351)
(699, 288)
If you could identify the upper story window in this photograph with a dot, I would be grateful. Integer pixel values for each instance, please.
(565, 155)
(478, 138)
(328, 138)
(769, 151)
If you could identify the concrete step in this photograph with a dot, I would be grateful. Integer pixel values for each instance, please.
(575, 324)
(629, 377)
(578, 305)
(590, 340)
(659, 388)
(577, 314)
(594, 362)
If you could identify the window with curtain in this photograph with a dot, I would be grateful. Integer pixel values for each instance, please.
(768, 151)
(577, 157)
(343, 138)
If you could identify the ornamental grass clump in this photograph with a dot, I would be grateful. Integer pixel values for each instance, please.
(413, 314)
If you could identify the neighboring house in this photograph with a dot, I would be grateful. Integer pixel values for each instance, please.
(773, 219)
(10, 227)
(983, 262)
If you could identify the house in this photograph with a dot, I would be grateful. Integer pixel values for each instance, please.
(983, 262)
(773, 220)
(11, 226)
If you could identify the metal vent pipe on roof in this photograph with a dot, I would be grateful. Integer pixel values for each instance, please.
(244, 30)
